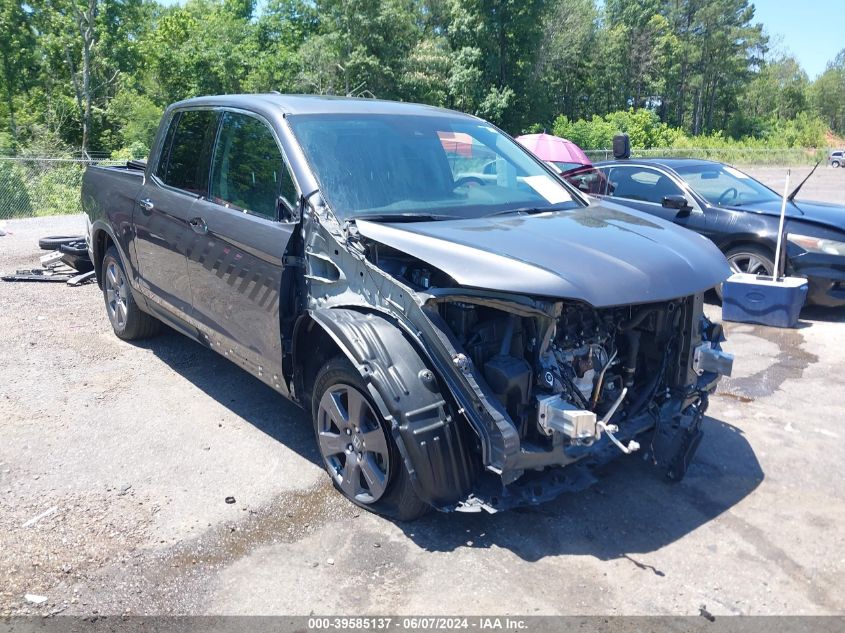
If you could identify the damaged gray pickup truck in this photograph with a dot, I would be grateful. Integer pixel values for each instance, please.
(467, 331)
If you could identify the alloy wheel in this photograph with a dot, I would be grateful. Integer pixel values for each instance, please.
(116, 295)
(353, 444)
(750, 263)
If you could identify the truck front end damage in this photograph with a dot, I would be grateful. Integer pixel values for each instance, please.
(540, 391)
(579, 386)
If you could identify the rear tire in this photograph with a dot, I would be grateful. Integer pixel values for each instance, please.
(128, 321)
(357, 446)
(834, 163)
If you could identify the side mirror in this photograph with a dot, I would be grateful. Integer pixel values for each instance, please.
(677, 202)
(286, 212)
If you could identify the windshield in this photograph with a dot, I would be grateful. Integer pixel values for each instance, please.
(722, 185)
(372, 165)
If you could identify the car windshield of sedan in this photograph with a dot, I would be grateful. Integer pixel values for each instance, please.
(724, 186)
(402, 166)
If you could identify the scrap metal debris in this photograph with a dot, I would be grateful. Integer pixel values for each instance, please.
(39, 274)
(68, 263)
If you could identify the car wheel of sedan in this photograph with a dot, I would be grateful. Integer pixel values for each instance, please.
(749, 259)
(128, 321)
(834, 163)
(357, 447)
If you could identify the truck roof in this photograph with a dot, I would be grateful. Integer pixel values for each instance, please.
(318, 104)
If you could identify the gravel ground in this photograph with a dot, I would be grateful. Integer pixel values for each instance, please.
(127, 453)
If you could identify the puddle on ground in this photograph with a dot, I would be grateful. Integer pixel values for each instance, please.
(789, 363)
(287, 519)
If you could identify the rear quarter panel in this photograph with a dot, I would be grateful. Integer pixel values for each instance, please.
(108, 199)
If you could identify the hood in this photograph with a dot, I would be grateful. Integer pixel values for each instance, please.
(831, 215)
(603, 254)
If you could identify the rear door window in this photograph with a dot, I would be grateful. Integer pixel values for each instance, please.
(248, 172)
(185, 159)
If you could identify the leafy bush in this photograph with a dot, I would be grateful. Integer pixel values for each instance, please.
(134, 151)
(643, 126)
(136, 117)
(647, 131)
(783, 141)
(53, 186)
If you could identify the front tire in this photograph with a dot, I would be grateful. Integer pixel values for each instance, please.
(357, 446)
(750, 259)
(834, 163)
(128, 321)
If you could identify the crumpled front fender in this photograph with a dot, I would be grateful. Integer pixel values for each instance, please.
(435, 445)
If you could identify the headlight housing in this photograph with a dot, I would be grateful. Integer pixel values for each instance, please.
(817, 244)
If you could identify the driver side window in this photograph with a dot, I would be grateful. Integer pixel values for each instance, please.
(643, 184)
(248, 173)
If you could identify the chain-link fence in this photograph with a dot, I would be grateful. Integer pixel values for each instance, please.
(40, 186)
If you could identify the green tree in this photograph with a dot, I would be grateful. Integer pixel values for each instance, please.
(563, 69)
(715, 48)
(281, 30)
(828, 94)
(363, 47)
(17, 43)
(205, 47)
(640, 29)
(779, 92)
(495, 44)
(425, 73)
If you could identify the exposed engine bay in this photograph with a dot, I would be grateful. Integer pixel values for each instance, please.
(577, 377)
(574, 376)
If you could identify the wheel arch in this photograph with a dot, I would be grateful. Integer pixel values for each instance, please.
(748, 240)
(435, 443)
(101, 240)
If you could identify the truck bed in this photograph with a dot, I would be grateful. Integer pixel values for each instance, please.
(109, 192)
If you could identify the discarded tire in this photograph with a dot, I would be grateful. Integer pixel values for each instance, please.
(53, 242)
(75, 255)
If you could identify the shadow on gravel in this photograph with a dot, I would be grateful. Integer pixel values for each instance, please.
(237, 390)
(821, 313)
(631, 510)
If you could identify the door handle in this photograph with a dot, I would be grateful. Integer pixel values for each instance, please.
(146, 204)
(198, 225)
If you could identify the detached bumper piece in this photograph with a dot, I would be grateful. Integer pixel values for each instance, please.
(675, 442)
(39, 274)
(68, 263)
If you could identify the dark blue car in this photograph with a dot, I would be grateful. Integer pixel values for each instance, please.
(734, 210)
